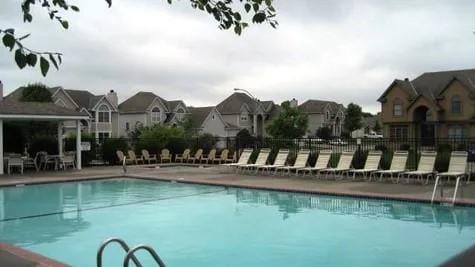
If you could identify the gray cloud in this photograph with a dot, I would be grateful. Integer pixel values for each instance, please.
(347, 51)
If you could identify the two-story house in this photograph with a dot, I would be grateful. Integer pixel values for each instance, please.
(146, 109)
(209, 120)
(243, 112)
(434, 105)
(322, 113)
(101, 109)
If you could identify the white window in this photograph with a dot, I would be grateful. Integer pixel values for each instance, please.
(103, 135)
(397, 107)
(155, 114)
(398, 132)
(456, 104)
(456, 131)
(103, 114)
(244, 116)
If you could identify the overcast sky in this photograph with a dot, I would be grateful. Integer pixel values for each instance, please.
(346, 51)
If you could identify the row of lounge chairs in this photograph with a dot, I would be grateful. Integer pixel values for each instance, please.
(166, 157)
(371, 169)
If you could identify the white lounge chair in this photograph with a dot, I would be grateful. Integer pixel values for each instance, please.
(279, 161)
(398, 166)
(243, 159)
(222, 157)
(320, 164)
(300, 162)
(197, 157)
(424, 168)
(210, 157)
(371, 165)
(148, 157)
(183, 157)
(457, 166)
(134, 158)
(344, 165)
(260, 161)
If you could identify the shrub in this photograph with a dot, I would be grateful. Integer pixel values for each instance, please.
(109, 148)
(36, 92)
(442, 161)
(404, 147)
(157, 137)
(359, 159)
(245, 139)
(205, 141)
(86, 156)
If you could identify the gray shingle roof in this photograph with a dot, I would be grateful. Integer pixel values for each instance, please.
(11, 107)
(173, 104)
(17, 93)
(318, 106)
(198, 115)
(140, 102)
(233, 104)
(81, 97)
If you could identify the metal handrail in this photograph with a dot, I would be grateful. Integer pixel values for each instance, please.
(124, 165)
(121, 243)
(130, 255)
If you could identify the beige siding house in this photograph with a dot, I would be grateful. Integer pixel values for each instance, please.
(322, 113)
(209, 120)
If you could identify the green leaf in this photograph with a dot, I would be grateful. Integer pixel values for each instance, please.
(44, 65)
(9, 41)
(52, 59)
(268, 2)
(109, 2)
(237, 29)
(20, 58)
(31, 59)
(75, 8)
(247, 7)
(65, 24)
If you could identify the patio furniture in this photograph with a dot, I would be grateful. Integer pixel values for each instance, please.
(15, 161)
(165, 156)
(300, 162)
(134, 158)
(121, 156)
(222, 157)
(344, 165)
(424, 168)
(457, 166)
(67, 160)
(398, 166)
(29, 162)
(279, 161)
(148, 157)
(197, 156)
(50, 160)
(210, 157)
(243, 159)
(320, 164)
(183, 157)
(371, 165)
(232, 159)
(260, 161)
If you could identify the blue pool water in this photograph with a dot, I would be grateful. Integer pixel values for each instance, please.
(203, 226)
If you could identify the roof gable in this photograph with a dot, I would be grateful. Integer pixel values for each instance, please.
(138, 102)
(233, 104)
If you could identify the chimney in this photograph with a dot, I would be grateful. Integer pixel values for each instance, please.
(406, 79)
(1, 91)
(112, 97)
(294, 103)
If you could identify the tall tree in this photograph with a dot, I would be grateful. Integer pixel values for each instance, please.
(36, 92)
(353, 117)
(291, 123)
(224, 12)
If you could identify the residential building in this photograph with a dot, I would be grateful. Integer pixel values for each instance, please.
(322, 113)
(241, 111)
(209, 120)
(434, 105)
(101, 109)
(146, 109)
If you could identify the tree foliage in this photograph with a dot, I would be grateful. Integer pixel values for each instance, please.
(36, 92)
(324, 133)
(377, 127)
(224, 12)
(353, 117)
(291, 123)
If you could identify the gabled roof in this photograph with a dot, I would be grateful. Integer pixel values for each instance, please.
(198, 115)
(10, 107)
(319, 106)
(81, 97)
(432, 84)
(17, 93)
(172, 104)
(233, 104)
(141, 101)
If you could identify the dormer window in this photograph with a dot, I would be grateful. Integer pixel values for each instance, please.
(456, 104)
(155, 114)
(244, 116)
(397, 107)
(103, 114)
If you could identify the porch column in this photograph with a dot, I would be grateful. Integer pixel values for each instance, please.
(60, 139)
(255, 124)
(78, 145)
(1, 146)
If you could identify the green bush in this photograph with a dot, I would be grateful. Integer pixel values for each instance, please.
(109, 148)
(86, 156)
(205, 141)
(157, 137)
(359, 159)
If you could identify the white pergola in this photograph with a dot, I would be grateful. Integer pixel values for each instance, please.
(32, 111)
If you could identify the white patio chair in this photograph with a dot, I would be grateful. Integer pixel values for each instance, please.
(279, 161)
(424, 168)
(398, 166)
(320, 164)
(371, 164)
(344, 165)
(300, 162)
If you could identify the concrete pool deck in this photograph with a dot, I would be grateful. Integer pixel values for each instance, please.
(214, 175)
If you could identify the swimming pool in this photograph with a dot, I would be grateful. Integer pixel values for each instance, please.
(198, 226)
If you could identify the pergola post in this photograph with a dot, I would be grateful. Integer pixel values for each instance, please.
(60, 139)
(78, 145)
(255, 124)
(1, 146)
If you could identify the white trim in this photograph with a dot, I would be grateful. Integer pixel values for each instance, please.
(99, 111)
(149, 108)
(60, 100)
(32, 117)
(67, 95)
(159, 117)
(84, 109)
(111, 107)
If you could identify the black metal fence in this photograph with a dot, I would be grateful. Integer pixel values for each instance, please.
(103, 151)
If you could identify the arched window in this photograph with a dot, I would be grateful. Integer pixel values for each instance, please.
(456, 104)
(397, 107)
(103, 114)
(180, 111)
(155, 114)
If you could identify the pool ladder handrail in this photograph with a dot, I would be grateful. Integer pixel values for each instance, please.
(438, 184)
(151, 251)
(122, 243)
